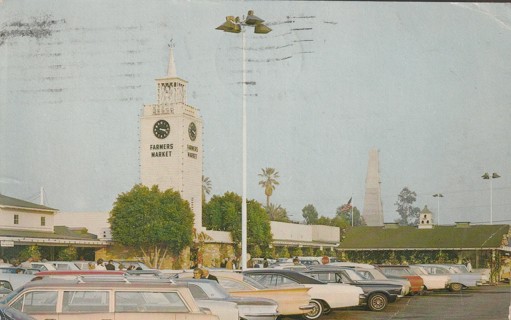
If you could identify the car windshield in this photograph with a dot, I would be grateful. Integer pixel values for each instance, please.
(11, 296)
(355, 276)
(396, 271)
(419, 271)
(253, 283)
(206, 289)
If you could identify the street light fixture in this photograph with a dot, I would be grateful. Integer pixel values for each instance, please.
(438, 195)
(486, 176)
(236, 25)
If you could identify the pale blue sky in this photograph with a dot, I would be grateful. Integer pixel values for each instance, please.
(428, 84)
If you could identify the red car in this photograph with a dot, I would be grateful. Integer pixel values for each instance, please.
(398, 271)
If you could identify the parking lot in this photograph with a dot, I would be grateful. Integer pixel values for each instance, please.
(486, 302)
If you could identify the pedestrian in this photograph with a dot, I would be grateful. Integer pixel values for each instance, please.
(99, 265)
(197, 273)
(265, 263)
(325, 260)
(206, 275)
(27, 263)
(229, 265)
(296, 261)
(110, 265)
(469, 266)
(91, 265)
(223, 264)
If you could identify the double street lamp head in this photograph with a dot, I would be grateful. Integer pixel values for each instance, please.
(494, 175)
(234, 24)
(438, 195)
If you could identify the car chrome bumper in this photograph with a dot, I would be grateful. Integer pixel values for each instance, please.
(307, 307)
(362, 299)
(259, 316)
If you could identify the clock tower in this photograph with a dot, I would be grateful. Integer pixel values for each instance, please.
(171, 142)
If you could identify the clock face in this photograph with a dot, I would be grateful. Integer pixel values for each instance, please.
(161, 129)
(192, 131)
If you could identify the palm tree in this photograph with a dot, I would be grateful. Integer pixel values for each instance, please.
(270, 176)
(206, 187)
(277, 213)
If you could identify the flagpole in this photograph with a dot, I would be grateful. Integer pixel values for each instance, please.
(352, 216)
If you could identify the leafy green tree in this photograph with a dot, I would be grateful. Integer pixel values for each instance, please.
(68, 254)
(296, 252)
(408, 213)
(277, 213)
(284, 253)
(307, 251)
(223, 213)
(156, 222)
(30, 252)
(310, 214)
(256, 251)
(325, 221)
(270, 176)
(358, 220)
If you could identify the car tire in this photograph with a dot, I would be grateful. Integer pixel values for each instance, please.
(326, 308)
(455, 287)
(377, 301)
(315, 312)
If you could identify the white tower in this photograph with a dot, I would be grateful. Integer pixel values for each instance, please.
(373, 211)
(425, 219)
(171, 142)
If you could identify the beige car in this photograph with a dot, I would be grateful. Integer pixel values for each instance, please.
(101, 300)
(291, 301)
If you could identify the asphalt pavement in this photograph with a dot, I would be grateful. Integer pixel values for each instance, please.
(481, 303)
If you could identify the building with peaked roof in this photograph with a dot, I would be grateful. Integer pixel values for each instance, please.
(25, 223)
(485, 246)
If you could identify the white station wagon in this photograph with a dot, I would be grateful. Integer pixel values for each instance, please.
(102, 300)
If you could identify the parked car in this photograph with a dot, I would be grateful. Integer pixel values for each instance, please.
(18, 270)
(432, 281)
(459, 280)
(378, 294)
(484, 273)
(75, 274)
(16, 279)
(325, 296)
(72, 299)
(81, 264)
(249, 308)
(376, 274)
(64, 265)
(126, 263)
(5, 288)
(417, 284)
(291, 301)
(43, 266)
(289, 266)
(370, 272)
(8, 313)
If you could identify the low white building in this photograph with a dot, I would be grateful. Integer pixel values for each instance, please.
(27, 223)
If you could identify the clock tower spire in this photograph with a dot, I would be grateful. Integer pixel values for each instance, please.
(171, 142)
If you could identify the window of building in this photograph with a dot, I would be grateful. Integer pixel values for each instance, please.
(43, 221)
(16, 219)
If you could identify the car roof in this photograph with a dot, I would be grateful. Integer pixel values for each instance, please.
(299, 277)
(79, 272)
(105, 284)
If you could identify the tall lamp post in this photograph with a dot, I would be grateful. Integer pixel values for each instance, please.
(236, 25)
(486, 176)
(438, 196)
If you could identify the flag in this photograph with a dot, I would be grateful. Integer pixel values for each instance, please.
(346, 207)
